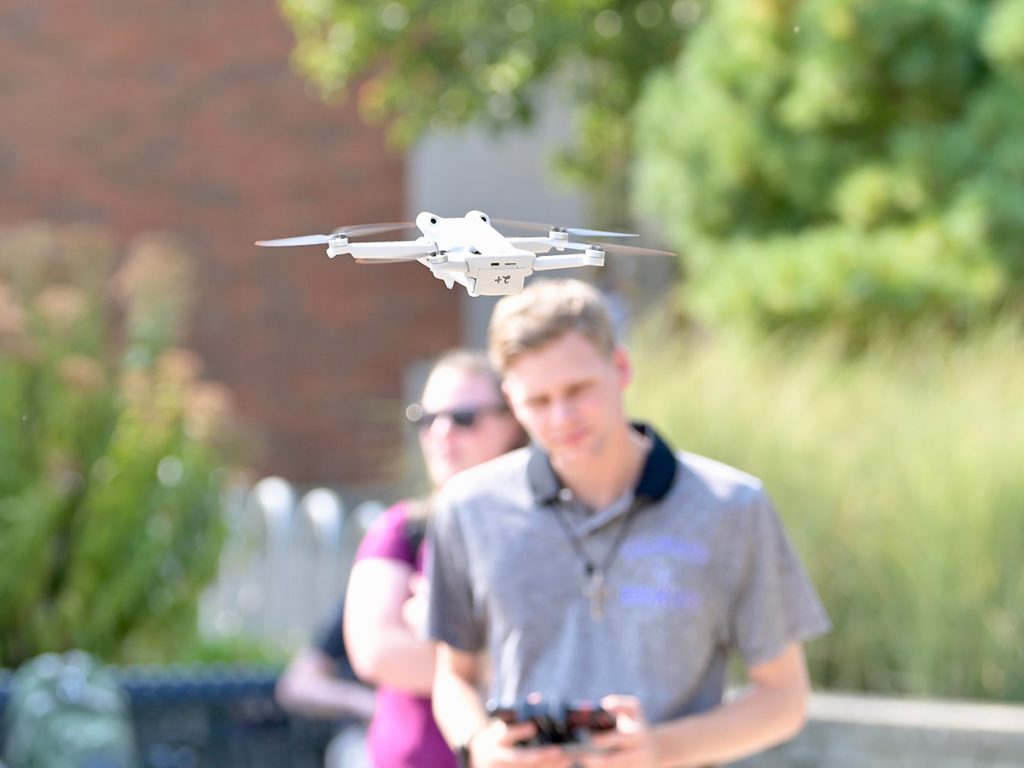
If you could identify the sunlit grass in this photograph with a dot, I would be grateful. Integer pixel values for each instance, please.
(900, 474)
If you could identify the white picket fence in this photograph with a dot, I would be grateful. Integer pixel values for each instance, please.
(285, 565)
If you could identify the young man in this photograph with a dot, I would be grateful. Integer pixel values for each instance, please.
(598, 565)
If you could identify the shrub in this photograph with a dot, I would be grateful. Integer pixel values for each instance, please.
(852, 162)
(112, 449)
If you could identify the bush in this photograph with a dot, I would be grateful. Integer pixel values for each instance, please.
(112, 449)
(898, 472)
(853, 162)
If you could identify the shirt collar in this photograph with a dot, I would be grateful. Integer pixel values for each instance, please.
(655, 481)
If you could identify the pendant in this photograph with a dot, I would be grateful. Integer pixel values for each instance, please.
(595, 592)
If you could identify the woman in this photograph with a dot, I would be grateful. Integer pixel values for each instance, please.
(462, 420)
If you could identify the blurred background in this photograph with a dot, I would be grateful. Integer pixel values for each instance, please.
(843, 181)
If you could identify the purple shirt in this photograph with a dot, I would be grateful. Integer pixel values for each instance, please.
(403, 733)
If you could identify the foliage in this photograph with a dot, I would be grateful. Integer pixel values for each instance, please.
(850, 161)
(237, 649)
(432, 64)
(898, 472)
(111, 449)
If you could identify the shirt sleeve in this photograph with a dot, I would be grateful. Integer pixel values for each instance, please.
(776, 604)
(387, 537)
(452, 617)
(331, 642)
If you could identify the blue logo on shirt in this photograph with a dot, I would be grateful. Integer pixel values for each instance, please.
(693, 552)
(666, 553)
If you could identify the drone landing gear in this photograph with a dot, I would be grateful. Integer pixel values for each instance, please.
(448, 272)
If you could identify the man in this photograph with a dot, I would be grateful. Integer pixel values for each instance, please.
(598, 565)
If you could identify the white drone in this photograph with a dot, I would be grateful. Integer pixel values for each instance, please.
(471, 252)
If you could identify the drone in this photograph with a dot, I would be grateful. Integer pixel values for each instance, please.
(469, 251)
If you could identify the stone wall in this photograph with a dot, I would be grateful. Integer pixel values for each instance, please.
(846, 731)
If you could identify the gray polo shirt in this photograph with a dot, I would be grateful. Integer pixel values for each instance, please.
(702, 569)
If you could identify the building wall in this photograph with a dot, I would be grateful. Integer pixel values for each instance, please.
(186, 117)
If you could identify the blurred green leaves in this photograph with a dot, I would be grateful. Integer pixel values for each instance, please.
(852, 163)
(423, 64)
(855, 163)
(113, 449)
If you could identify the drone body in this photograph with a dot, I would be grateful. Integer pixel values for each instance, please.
(469, 251)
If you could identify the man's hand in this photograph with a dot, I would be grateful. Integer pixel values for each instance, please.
(495, 747)
(630, 745)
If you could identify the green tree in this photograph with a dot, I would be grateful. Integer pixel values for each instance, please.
(851, 162)
(112, 449)
(426, 64)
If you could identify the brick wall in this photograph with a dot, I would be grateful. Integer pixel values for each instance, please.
(186, 117)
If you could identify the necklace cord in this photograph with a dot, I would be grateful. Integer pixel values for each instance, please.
(589, 567)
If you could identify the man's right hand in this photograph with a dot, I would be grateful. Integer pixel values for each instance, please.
(495, 747)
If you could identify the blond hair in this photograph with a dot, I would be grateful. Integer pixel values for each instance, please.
(467, 361)
(544, 312)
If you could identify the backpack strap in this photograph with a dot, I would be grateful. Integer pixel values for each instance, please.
(416, 525)
(415, 531)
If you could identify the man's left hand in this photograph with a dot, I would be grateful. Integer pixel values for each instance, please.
(630, 745)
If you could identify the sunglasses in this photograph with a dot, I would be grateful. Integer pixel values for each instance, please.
(464, 418)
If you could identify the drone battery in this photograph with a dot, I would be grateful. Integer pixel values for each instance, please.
(500, 281)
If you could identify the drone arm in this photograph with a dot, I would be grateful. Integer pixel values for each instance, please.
(408, 250)
(564, 260)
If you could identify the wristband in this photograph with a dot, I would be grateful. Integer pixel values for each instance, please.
(463, 758)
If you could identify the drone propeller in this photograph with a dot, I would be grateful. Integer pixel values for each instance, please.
(340, 232)
(611, 248)
(384, 260)
(539, 227)
(282, 242)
